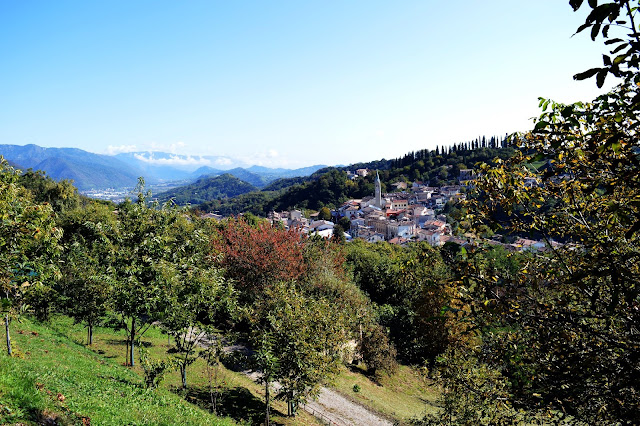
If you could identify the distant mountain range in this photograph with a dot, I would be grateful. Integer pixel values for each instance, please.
(95, 171)
(87, 170)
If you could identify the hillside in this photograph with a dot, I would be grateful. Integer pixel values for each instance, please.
(207, 188)
(55, 380)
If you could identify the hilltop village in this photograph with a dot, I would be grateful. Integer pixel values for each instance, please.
(414, 213)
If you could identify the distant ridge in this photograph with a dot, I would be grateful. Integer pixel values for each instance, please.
(90, 171)
(87, 170)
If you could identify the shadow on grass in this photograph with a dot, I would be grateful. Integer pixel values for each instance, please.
(121, 380)
(359, 369)
(237, 403)
(123, 342)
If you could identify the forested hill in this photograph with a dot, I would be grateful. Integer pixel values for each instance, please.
(330, 186)
(208, 188)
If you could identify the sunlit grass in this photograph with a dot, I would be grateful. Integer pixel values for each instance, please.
(402, 396)
(241, 398)
(55, 378)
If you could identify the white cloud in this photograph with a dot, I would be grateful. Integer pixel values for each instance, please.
(113, 150)
(267, 158)
(174, 160)
(177, 147)
(272, 153)
(223, 161)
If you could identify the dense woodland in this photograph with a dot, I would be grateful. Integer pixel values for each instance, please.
(511, 338)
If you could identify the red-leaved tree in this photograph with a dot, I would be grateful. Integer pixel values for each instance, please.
(257, 256)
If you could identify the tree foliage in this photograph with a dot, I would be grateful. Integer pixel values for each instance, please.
(563, 331)
(409, 285)
(305, 336)
(144, 244)
(256, 257)
(28, 245)
(89, 254)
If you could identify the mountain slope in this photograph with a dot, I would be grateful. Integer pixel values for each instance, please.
(330, 186)
(207, 189)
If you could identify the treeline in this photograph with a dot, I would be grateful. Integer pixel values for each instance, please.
(330, 187)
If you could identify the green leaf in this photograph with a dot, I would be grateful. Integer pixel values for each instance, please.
(587, 74)
(540, 125)
(619, 59)
(613, 41)
(582, 27)
(602, 74)
(617, 49)
(594, 31)
(575, 4)
(618, 117)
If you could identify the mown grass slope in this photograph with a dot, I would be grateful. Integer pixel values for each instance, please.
(403, 396)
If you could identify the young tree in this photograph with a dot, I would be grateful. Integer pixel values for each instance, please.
(197, 293)
(144, 244)
(305, 336)
(28, 242)
(89, 253)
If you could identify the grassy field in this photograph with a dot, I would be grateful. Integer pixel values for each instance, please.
(401, 397)
(55, 376)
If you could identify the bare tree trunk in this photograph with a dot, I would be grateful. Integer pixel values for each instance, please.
(6, 327)
(90, 333)
(126, 354)
(133, 336)
(183, 374)
(266, 387)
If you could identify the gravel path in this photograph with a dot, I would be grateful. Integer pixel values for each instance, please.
(338, 410)
(330, 406)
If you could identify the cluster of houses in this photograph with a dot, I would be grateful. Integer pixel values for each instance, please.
(398, 217)
(410, 215)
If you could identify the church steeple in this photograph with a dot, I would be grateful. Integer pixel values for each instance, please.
(378, 195)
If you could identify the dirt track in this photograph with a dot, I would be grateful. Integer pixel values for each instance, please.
(330, 406)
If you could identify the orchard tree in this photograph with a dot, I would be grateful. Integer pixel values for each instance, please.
(89, 255)
(144, 245)
(28, 245)
(197, 293)
(304, 335)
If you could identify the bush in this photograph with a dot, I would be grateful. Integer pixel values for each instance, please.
(154, 370)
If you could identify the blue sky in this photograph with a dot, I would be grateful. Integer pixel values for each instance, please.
(283, 83)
